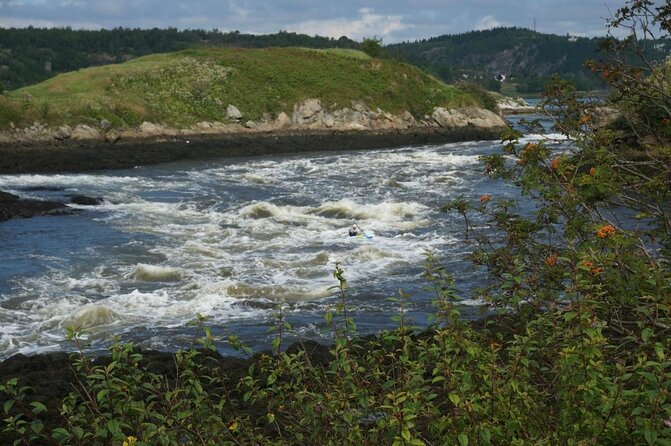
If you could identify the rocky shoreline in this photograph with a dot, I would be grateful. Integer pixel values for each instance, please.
(311, 127)
(85, 155)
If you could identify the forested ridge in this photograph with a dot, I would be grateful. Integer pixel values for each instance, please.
(525, 57)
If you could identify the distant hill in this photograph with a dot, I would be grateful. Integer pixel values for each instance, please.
(525, 58)
(183, 88)
(31, 55)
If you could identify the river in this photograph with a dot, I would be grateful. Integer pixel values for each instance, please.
(232, 239)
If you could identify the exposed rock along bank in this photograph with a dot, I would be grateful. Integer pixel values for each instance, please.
(309, 114)
(311, 127)
(509, 106)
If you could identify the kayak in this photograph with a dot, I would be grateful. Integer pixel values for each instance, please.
(364, 236)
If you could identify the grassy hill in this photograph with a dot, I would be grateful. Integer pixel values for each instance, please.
(31, 55)
(182, 88)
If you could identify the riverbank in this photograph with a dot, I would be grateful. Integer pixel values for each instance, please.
(50, 377)
(86, 155)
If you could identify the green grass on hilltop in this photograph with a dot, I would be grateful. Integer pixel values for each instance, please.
(180, 89)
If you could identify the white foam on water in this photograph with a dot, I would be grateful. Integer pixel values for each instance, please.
(203, 247)
(544, 137)
(90, 316)
(386, 212)
(288, 214)
(234, 239)
(78, 182)
(156, 273)
(48, 308)
(259, 179)
(278, 293)
(96, 282)
(151, 308)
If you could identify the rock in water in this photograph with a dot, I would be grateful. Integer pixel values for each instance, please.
(12, 206)
(85, 200)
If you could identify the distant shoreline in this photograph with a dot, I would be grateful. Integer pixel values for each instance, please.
(79, 156)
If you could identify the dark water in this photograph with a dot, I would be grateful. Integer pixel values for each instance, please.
(233, 239)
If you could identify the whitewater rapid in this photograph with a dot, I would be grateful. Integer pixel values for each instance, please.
(232, 239)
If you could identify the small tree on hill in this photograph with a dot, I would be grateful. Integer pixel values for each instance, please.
(372, 46)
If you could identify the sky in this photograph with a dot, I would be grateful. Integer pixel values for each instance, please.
(391, 20)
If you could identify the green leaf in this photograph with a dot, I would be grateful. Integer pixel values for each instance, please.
(455, 398)
(8, 406)
(637, 411)
(60, 434)
(78, 431)
(463, 439)
(114, 427)
(649, 376)
(645, 334)
(101, 395)
(184, 414)
(271, 379)
(111, 366)
(38, 407)
(650, 436)
(486, 436)
(659, 351)
(37, 426)
(101, 433)
(569, 315)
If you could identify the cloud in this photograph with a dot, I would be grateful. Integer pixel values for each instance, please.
(19, 23)
(368, 24)
(392, 21)
(488, 22)
(239, 12)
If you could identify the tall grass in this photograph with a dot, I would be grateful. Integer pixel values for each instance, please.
(180, 89)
